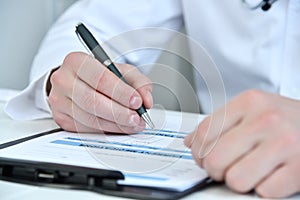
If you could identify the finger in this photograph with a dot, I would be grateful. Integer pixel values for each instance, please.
(68, 123)
(254, 166)
(95, 122)
(188, 140)
(230, 115)
(65, 105)
(214, 126)
(203, 139)
(195, 144)
(283, 182)
(61, 108)
(97, 76)
(138, 81)
(103, 107)
(229, 148)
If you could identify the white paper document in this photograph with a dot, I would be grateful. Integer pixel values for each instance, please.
(154, 158)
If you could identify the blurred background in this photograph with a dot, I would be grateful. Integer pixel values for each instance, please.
(23, 26)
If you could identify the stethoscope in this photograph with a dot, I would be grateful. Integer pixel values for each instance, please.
(254, 4)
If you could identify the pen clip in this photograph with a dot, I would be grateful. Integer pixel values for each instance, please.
(83, 43)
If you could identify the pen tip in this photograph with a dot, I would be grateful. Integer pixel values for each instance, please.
(148, 120)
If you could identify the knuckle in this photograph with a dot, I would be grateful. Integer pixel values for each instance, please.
(55, 78)
(270, 116)
(75, 60)
(266, 119)
(236, 182)
(63, 122)
(53, 100)
(253, 96)
(252, 93)
(287, 140)
(214, 168)
(71, 58)
(58, 80)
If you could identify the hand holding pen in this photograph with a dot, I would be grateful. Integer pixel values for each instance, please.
(88, 40)
(86, 96)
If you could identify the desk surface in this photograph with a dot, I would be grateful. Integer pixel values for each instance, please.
(11, 130)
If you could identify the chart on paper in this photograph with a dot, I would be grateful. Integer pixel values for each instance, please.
(155, 158)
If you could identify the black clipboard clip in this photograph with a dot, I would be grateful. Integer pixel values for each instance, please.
(57, 175)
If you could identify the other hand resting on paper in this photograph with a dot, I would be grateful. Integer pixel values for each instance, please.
(258, 146)
(86, 97)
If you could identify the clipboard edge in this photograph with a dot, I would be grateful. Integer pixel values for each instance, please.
(127, 191)
(24, 139)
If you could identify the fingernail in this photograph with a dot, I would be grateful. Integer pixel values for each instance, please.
(135, 101)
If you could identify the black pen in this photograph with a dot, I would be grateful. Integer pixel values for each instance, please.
(86, 36)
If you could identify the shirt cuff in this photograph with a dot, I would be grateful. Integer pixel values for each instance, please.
(31, 103)
(41, 97)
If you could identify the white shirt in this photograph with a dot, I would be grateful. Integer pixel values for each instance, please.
(251, 49)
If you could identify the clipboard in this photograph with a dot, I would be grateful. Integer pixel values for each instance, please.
(102, 181)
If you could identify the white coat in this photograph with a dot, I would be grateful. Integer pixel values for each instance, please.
(252, 49)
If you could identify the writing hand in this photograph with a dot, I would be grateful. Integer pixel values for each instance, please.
(86, 97)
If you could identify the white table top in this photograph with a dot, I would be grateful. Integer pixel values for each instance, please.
(11, 130)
